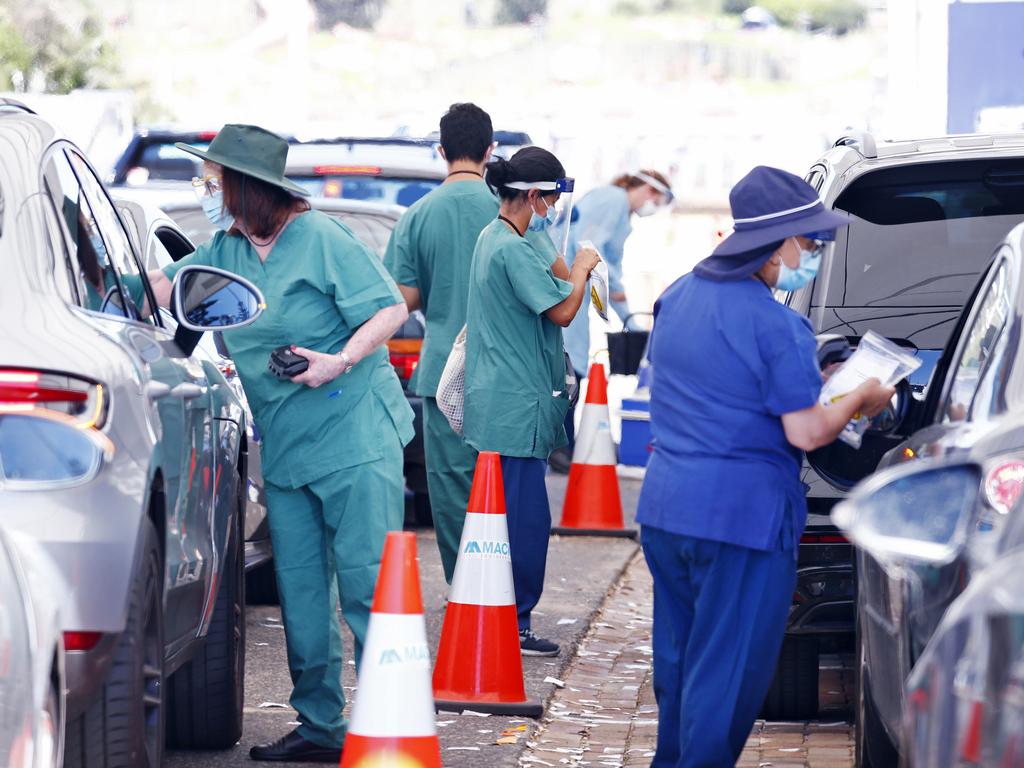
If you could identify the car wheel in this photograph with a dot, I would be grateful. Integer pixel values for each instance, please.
(124, 726)
(261, 585)
(206, 696)
(423, 514)
(873, 747)
(794, 691)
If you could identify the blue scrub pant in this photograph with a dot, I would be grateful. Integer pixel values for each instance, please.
(720, 612)
(529, 529)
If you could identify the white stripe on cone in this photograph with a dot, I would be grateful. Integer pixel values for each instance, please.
(395, 695)
(594, 444)
(483, 572)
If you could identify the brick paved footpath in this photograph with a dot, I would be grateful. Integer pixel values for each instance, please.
(606, 714)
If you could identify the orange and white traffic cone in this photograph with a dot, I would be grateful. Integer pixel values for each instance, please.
(393, 717)
(592, 503)
(479, 663)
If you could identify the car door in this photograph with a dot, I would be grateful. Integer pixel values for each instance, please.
(115, 285)
(898, 616)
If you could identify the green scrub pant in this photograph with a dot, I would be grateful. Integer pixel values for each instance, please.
(450, 466)
(328, 537)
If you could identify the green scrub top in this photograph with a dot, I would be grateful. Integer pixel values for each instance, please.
(515, 363)
(320, 284)
(431, 250)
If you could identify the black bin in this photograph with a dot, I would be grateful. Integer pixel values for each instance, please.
(626, 349)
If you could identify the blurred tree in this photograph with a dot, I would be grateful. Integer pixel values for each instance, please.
(839, 16)
(520, 11)
(362, 14)
(53, 46)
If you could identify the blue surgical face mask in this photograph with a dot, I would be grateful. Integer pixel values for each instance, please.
(794, 279)
(213, 207)
(540, 223)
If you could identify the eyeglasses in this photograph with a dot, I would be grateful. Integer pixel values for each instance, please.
(207, 186)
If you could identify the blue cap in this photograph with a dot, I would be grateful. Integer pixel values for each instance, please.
(768, 205)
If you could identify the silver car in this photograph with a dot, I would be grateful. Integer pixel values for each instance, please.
(151, 546)
(31, 643)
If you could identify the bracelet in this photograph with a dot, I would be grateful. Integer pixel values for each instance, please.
(347, 362)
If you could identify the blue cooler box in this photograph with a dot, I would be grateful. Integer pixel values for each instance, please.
(635, 445)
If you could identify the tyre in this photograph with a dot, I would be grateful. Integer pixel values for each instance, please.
(423, 513)
(873, 747)
(205, 697)
(261, 585)
(124, 726)
(794, 691)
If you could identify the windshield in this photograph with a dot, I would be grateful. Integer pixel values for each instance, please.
(377, 189)
(162, 161)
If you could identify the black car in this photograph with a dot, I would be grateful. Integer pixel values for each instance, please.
(926, 217)
(977, 386)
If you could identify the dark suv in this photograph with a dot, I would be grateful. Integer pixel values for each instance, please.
(927, 216)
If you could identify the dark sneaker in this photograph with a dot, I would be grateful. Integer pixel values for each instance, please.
(531, 645)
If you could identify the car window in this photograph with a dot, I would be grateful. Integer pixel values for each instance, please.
(88, 259)
(376, 189)
(978, 373)
(111, 228)
(165, 162)
(920, 235)
(157, 255)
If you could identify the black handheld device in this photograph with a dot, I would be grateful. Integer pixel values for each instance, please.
(284, 363)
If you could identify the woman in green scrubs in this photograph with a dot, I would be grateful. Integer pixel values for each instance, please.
(521, 295)
(332, 436)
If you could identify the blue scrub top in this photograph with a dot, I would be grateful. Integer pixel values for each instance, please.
(728, 361)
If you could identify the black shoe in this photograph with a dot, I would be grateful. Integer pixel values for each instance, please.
(293, 748)
(531, 645)
(560, 460)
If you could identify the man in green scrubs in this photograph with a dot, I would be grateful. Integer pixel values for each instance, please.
(429, 256)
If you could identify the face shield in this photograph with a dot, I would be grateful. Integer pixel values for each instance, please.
(653, 183)
(558, 231)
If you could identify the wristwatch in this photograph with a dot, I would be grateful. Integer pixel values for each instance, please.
(347, 361)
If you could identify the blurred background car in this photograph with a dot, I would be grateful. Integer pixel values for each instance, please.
(149, 541)
(393, 170)
(926, 218)
(31, 644)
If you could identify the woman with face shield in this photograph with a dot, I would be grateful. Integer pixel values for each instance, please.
(734, 404)
(521, 294)
(604, 216)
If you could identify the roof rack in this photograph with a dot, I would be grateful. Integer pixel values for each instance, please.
(15, 104)
(862, 141)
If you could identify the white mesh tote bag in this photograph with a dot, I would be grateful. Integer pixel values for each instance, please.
(451, 390)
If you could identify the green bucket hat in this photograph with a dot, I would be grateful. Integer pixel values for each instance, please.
(251, 150)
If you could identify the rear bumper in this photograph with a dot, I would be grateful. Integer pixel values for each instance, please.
(85, 673)
(823, 602)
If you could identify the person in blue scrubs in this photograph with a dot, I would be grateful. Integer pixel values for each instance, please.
(734, 402)
(604, 216)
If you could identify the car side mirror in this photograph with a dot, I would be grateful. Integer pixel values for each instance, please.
(207, 298)
(912, 513)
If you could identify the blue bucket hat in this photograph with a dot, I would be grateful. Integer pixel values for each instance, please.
(768, 206)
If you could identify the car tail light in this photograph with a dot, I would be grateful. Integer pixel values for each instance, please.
(1003, 485)
(405, 356)
(346, 170)
(332, 188)
(81, 641)
(27, 390)
(824, 538)
(207, 135)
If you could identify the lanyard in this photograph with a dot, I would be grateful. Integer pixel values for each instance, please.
(472, 173)
(507, 221)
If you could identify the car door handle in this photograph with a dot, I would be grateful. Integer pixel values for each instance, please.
(157, 390)
(188, 391)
